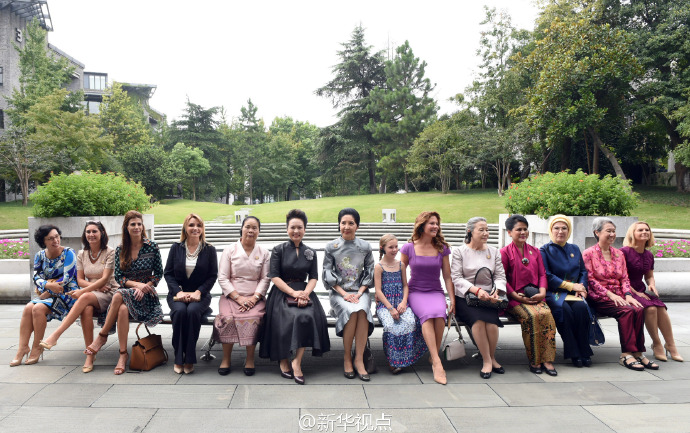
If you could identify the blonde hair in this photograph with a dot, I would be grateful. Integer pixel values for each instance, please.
(183, 235)
(383, 241)
(629, 240)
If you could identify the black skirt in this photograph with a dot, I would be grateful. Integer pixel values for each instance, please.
(286, 328)
(468, 315)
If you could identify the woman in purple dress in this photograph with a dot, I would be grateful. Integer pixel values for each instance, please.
(427, 256)
(640, 263)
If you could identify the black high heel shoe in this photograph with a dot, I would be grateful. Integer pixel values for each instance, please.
(577, 362)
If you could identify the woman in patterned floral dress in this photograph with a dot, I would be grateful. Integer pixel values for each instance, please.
(138, 269)
(55, 275)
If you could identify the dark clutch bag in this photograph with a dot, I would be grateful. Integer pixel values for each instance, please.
(292, 302)
(530, 290)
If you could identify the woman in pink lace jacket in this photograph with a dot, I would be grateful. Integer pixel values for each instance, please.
(611, 294)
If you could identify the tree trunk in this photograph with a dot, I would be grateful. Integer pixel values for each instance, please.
(609, 155)
(193, 190)
(288, 193)
(3, 197)
(565, 153)
(371, 167)
(407, 189)
(227, 194)
(24, 184)
(382, 185)
(589, 164)
(457, 180)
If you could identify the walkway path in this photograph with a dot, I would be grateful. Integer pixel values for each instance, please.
(55, 396)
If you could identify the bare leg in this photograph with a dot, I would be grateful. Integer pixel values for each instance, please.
(430, 335)
(227, 355)
(492, 334)
(439, 325)
(39, 320)
(122, 334)
(664, 322)
(652, 325)
(110, 320)
(26, 328)
(297, 362)
(87, 330)
(348, 336)
(481, 339)
(85, 300)
(249, 362)
(361, 334)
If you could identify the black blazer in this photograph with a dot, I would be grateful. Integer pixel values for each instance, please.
(202, 278)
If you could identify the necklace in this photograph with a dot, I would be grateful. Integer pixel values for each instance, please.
(195, 254)
(93, 259)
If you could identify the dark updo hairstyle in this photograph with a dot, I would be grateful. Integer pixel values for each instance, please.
(349, 211)
(296, 214)
(513, 220)
(43, 231)
(249, 218)
(104, 235)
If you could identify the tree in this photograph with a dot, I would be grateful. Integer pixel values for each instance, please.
(24, 156)
(74, 140)
(302, 137)
(583, 75)
(123, 119)
(198, 128)
(150, 165)
(402, 108)
(190, 164)
(40, 74)
(360, 71)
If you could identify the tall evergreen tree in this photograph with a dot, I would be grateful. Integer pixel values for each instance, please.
(360, 71)
(401, 109)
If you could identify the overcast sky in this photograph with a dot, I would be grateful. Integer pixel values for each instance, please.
(220, 53)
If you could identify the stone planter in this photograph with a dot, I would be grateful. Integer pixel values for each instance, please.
(672, 276)
(581, 236)
(14, 286)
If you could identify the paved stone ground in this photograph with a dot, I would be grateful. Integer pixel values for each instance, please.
(55, 396)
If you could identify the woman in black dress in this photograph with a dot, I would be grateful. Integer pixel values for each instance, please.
(294, 316)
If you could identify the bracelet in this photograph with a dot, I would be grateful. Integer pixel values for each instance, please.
(258, 297)
(627, 294)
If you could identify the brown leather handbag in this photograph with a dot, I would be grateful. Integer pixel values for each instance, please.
(148, 352)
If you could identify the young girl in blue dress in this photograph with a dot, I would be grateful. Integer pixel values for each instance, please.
(403, 342)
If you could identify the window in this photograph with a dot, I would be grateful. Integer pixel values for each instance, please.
(2, 119)
(2, 76)
(95, 81)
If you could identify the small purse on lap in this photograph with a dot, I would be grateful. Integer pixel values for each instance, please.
(474, 301)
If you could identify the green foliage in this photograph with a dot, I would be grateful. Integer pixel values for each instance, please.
(88, 193)
(571, 194)
(150, 165)
(190, 164)
(40, 73)
(123, 119)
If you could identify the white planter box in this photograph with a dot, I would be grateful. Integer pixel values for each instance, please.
(15, 287)
(581, 236)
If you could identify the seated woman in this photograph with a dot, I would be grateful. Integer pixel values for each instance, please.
(55, 275)
(348, 272)
(190, 272)
(403, 341)
(95, 269)
(291, 327)
(243, 278)
(640, 264)
(427, 256)
(611, 294)
(138, 269)
(484, 321)
(567, 275)
(523, 267)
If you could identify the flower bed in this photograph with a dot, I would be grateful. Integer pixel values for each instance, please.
(14, 249)
(671, 249)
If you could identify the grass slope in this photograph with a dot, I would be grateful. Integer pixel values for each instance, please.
(661, 207)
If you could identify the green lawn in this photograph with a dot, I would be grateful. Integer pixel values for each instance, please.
(662, 207)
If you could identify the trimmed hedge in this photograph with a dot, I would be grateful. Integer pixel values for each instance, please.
(89, 194)
(571, 194)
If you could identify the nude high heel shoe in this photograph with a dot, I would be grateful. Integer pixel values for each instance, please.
(659, 354)
(18, 361)
(676, 357)
(30, 361)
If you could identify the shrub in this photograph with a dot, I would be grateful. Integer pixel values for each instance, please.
(671, 249)
(88, 193)
(571, 194)
(14, 249)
